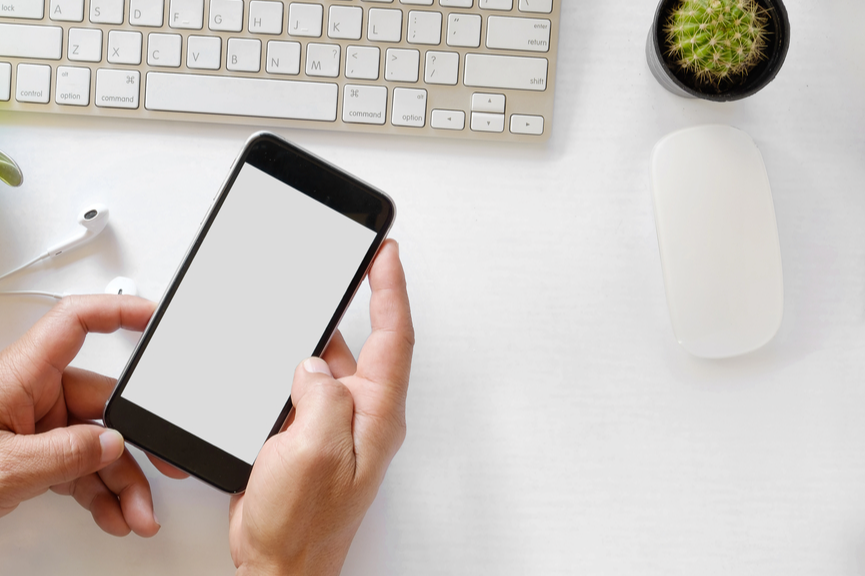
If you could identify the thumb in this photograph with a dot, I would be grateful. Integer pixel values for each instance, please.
(323, 405)
(62, 455)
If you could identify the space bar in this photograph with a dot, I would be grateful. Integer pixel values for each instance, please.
(241, 96)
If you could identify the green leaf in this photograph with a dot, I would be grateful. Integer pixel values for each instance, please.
(9, 171)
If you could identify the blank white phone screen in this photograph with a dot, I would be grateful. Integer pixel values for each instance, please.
(254, 303)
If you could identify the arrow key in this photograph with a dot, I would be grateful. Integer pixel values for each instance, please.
(494, 103)
(484, 122)
(524, 124)
(448, 119)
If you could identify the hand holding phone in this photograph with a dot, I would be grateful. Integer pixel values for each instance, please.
(312, 484)
(273, 268)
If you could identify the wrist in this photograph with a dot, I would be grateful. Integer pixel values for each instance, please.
(261, 569)
(306, 564)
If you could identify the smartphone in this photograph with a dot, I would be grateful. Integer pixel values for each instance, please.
(276, 262)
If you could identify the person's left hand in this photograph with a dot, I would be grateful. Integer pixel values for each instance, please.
(47, 439)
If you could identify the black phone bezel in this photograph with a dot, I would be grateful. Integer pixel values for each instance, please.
(320, 181)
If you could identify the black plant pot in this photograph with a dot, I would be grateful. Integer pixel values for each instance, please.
(685, 84)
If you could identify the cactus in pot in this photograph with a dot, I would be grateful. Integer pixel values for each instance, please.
(717, 40)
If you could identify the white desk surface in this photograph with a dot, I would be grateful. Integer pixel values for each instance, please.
(555, 426)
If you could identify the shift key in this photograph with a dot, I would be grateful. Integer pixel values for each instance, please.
(24, 41)
(514, 72)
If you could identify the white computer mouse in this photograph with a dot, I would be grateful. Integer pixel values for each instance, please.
(718, 240)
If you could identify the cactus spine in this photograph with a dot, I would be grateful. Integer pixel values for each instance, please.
(717, 40)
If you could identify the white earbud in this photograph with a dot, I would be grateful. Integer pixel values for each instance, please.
(93, 220)
(120, 285)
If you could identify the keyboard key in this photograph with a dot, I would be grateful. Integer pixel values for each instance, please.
(483, 122)
(362, 62)
(345, 22)
(448, 119)
(164, 50)
(488, 103)
(409, 107)
(85, 45)
(73, 86)
(424, 27)
(442, 68)
(5, 81)
(384, 25)
(418, 2)
(265, 17)
(31, 9)
(244, 55)
(322, 60)
(124, 47)
(117, 88)
(106, 11)
(402, 65)
(364, 104)
(226, 15)
(66, 10)
(529, 34)
(305, 20)
(515, 72)
(539, 6)
(457, 3)
(25, 41)
(186, 14)
(283, 57)
(496, 4)
(464, 30)
(146, 12)
(523, 124)
(33, 83)
(241, 96)
(203, 52)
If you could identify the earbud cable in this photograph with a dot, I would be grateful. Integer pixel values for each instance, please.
(32, 293)
(22, 267)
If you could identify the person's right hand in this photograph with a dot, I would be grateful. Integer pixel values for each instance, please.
(312, 484)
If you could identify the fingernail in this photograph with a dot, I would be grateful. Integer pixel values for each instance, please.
(155, 519)
(112, 446)
(316, 366)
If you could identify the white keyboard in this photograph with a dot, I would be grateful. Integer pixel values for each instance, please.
(478, 69)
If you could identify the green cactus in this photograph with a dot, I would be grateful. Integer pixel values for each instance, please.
(717, 40)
